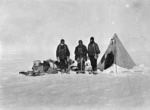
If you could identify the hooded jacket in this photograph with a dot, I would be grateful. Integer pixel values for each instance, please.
(80, 51)
(93, 49)
(62, 51)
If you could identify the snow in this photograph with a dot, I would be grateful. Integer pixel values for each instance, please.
(114, 69)
(124, 90)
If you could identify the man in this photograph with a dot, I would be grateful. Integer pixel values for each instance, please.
(93, 52)
(63, 54)
(81, 56)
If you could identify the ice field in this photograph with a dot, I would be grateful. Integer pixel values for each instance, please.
(105, 91)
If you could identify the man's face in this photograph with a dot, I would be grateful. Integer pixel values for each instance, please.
(80, 43)
(91, 40)
(62, 42)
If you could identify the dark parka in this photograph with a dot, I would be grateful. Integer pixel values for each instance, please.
(62, 51)
(80, 51)
(93, 49)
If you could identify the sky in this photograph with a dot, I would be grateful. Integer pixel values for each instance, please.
(36, 26)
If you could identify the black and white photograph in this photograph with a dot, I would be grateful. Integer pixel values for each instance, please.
(74, 54)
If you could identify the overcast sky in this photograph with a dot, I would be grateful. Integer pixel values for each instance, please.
(38, 25)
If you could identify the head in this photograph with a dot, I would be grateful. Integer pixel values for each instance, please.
(80, 42)
(62, 41)
(92, 40)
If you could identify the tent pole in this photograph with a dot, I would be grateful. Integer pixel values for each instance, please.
(116, 69)
(115, 61)
(115, 57)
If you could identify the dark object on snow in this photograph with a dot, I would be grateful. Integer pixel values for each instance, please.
(30, 73)
(25, 73)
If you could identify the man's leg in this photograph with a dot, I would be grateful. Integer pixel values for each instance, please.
(79, 65)
(66, 63)
(83, 65)
(62, 64)
(92, 62)
(66, 69)
(95, 64)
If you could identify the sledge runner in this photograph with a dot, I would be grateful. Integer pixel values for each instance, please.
(63, 54)
(93, 52)
(81, 56)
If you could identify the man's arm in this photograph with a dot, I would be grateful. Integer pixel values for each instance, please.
(76, 51)
(97, 49)
(57, 51)
(68, 52)
(85, 50)
(88, 51)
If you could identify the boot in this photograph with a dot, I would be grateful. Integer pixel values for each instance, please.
(95, 72)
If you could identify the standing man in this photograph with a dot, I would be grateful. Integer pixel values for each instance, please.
(93, 52)
(81, 56)
(63, 54)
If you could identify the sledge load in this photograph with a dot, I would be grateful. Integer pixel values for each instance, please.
(47, 67)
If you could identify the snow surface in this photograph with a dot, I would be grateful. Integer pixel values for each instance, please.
(138, 68)
(126, 90)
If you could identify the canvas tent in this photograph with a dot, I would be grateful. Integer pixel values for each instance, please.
(116, 54)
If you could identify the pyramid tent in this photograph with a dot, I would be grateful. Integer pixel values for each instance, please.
(116, 54)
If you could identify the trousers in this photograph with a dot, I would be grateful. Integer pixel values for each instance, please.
(63, 64)
(93, 63)
(81, 64)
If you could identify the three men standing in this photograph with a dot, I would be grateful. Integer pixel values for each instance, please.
(81, 52)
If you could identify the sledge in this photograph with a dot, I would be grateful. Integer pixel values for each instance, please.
(47, 67)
